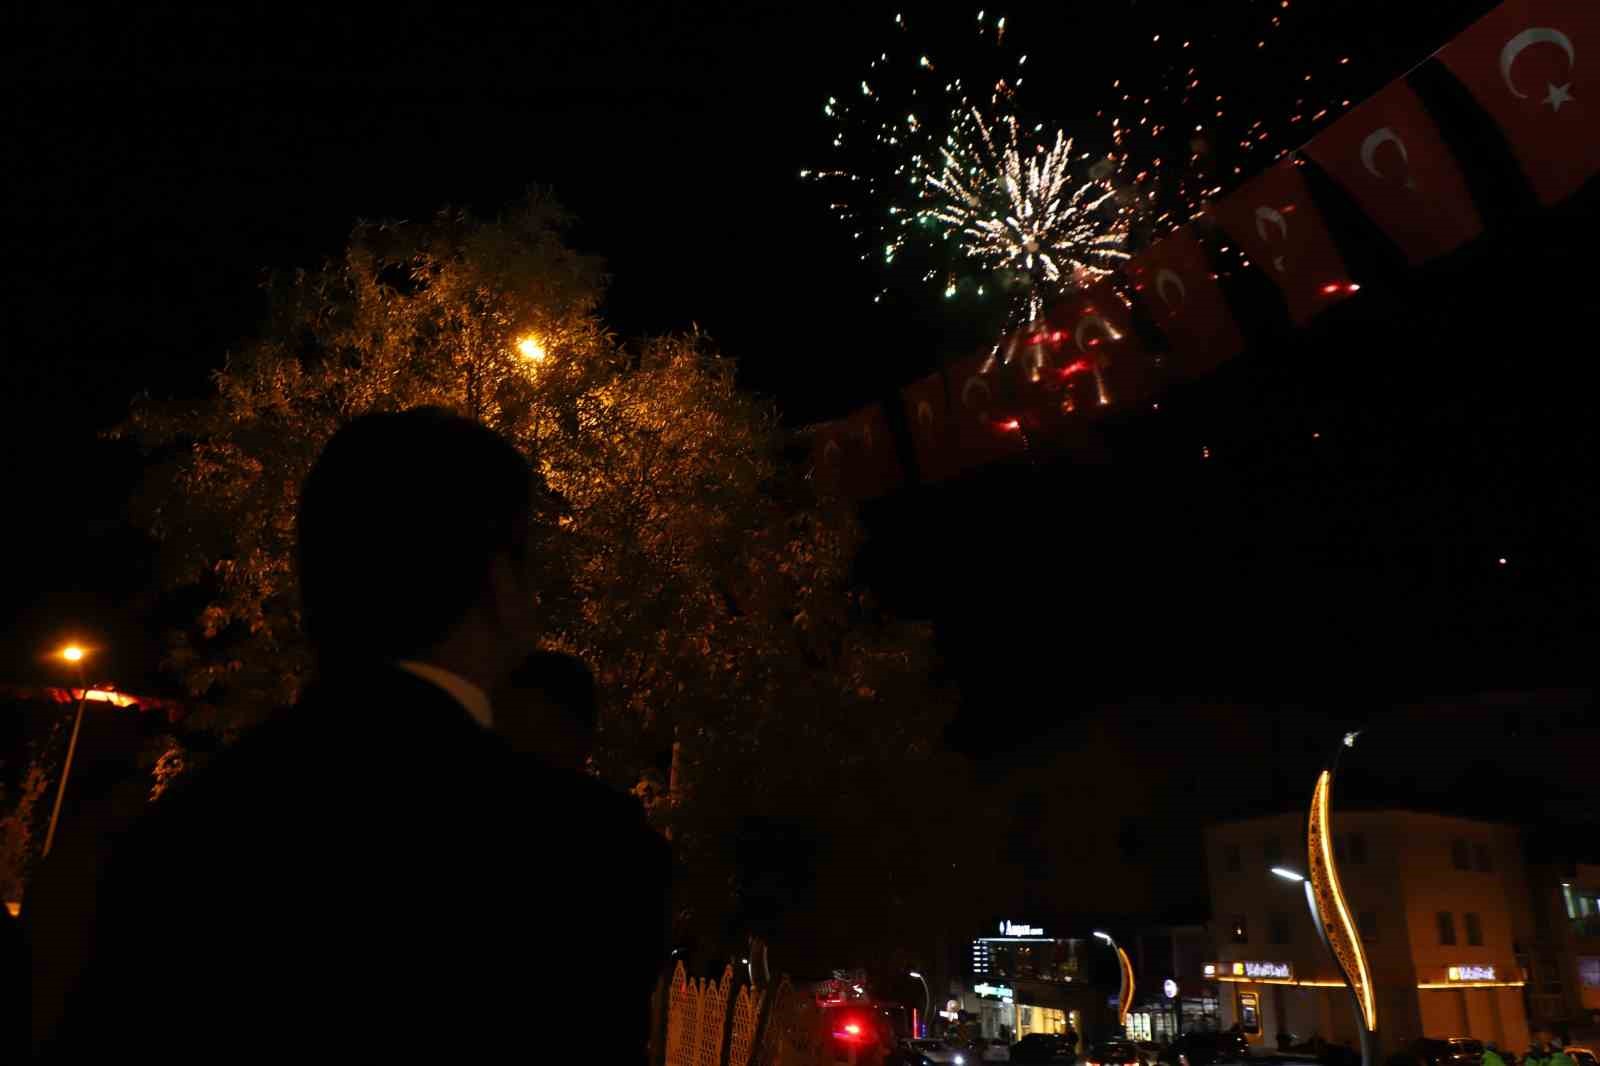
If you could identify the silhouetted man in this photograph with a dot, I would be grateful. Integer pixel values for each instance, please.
(374, 875)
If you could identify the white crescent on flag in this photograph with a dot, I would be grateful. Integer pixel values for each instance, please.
(1167, 276)
(1526, 39)
(1264, 216)
(1106, 330)
(975, 384)
(1369, 148)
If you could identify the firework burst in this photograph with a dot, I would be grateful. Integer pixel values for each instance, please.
(942, 182)
(1020, 210)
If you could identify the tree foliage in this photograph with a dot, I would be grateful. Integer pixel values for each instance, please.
(694, 568)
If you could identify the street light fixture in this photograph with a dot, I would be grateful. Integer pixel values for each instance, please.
(1330, 912)
(531, 348)
(74, 654)
(927, 998)
(1125, 998)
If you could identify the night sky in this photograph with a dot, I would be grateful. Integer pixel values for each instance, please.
(162, 160)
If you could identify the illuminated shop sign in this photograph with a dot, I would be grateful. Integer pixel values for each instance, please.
(999, 991)
(1472, 973)
(1014, 929)
(1257, 969)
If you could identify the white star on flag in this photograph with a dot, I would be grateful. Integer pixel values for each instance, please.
(1559, 94)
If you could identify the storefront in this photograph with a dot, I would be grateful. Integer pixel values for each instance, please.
(997, 1011)
(1474, 1001)
(1010, 1012)
(1178, 1006)
(1268, 1001)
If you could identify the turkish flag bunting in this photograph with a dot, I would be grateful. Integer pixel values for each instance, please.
(827, 454)
(1099, 356)
(985, 428)
(872, 468)
(1391, 159)
(1174, 280)
(855, 456)
(1534, 65)
(932, 434)
(1280, 230)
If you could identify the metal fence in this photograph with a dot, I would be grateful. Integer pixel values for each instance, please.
(731, 1023)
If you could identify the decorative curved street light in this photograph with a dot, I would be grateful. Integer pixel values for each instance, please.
(1330, 911)
(1125, 995)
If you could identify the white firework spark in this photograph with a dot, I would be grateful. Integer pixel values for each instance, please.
(1012, 209)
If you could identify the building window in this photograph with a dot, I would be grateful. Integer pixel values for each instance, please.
(1358, 848)
(1480, 858)
(1238, 931)
(1277, 928)
(1231, 859)
(1367, 922)
(1447, 928)
(1272, 851)
(1460, 855)
(1474, 930)
(1589, 971)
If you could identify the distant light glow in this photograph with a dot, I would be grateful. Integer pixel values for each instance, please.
(532, 349)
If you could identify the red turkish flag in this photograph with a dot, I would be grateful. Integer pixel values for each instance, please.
(872, 468)
(1095, 352)
(985, 428)
(1534, 65)
(932, 434)
(827, 454)
(1175, 281)
(855, 456)
(1389, 156)
(1281, 232)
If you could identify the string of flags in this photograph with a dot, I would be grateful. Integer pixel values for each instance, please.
(1520, 64)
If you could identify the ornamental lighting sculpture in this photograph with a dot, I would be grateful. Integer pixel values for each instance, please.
(1332, 912)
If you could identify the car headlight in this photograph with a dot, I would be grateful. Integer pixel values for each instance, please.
(958, 1060)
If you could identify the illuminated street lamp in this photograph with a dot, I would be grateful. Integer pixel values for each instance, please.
(1125, 996)
(927, 999)
(1330, 912)
(74, 654)
(532, 349)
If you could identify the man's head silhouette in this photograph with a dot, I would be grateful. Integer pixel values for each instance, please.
(413, 544)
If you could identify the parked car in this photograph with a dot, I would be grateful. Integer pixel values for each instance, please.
(930, 1053)
(1583, 1056)
(1447, 1051)
(1042, 1047)
(1149, 1052)
(1206, 1049)
(1000, 1051)
(1114, 1053)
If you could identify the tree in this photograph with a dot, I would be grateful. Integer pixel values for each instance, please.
(695, 568)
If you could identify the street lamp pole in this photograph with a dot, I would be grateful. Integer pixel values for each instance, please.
(927, 999)
(1125, 992)
(1330, 912)
(75, 655)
